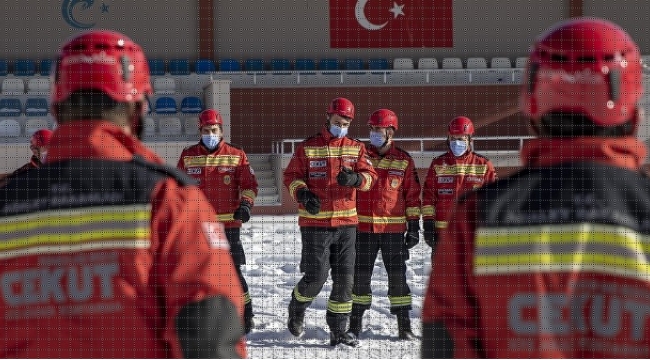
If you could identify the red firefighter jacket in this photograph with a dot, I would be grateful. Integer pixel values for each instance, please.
(450, 176)
(224, 175)
(98, 266)
(315, 164)
(395, 197)
(551, 262)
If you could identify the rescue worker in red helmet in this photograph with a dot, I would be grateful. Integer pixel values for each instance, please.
(451, 174)
(552, 261)
(106, 252)
(38, 144)
(229, 183)
(324, 175)
(389, 220)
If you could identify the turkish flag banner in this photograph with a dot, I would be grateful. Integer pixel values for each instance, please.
(391, 24)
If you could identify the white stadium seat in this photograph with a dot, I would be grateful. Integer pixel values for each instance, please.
(9, 128)
(164, 85)
(169, 126)
(500, 63)
(452, 63)
(34, 124)
(427, 63)
(476, 63)
(191, 125)
(38, 86)
(403, 64)
(13, 86)
(521, 62)
(149, 126)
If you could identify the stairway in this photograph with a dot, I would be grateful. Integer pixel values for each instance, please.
(268, 192)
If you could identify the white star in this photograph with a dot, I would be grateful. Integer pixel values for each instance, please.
(397, 10)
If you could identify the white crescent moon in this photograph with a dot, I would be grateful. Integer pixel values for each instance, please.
(360, 12)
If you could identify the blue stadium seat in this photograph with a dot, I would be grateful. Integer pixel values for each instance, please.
(353, 64)
(45, 67)
(24, 67)
(328, 64)
(229, 65)
(305, 64)
(156, 67)
(36, 107)
(204, 66)
(378, 64)
(166, 105)
(254, 65)
(179, 67)
(4, 68)
(10, 107)
(191, 105)
(280, 65)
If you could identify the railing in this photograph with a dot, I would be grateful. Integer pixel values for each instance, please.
(288, 146)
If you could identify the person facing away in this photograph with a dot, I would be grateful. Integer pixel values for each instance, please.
(106, 252)
(553, 261)
(38, 144)
(229, 183)
(389, 220)
(324, 175)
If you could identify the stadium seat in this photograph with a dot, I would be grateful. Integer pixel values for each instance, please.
(9, 128)
(378, 64)
(500, 63)
(328, 64)
(353, 64)
(521, 62)
(149, 126)
(45, 67)
(229, 65)
(305, 64)
(38, 86)
(452, 63)
(164, 85)
(179, 67)
(281, 65)
(165, 105)
(156, 67)
(427, 63)
(35, 124)
(169, 126)
(191, 125)
(204, 66)
(476, 63)
(36, 107)
(403, 64)
(13, 86)
(24, 67)
(10, 107)
(4, 68)
(191, 105)
(254, 65)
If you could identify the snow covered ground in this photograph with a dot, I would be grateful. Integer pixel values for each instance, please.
(272, 245)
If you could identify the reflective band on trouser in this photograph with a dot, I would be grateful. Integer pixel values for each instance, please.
(247, 298)
(83, 229)
(428, 210)
(382, 219)
(397, 301)
(294, 186)
(325, 215)
(339, 307)
(441, 224)
(571, 248)
(362, 299)
(412, 211)
(301, 298)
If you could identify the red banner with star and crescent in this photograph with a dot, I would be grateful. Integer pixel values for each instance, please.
(391, 24)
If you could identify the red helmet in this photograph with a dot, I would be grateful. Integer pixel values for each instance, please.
(585, 66)
(383, 118)
(460, 126)
(341, 106)
(41, 138)
(101, 60)
(210, 117)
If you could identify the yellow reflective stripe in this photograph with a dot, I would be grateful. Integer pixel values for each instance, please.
(428, 210)
(391, 164)
(368, 182)
(249, 194)
(400, 300)
(382, 219)
(339, 307)
(328, 214)
(247, 298)
(441, 224)
(331, 151)
(211, 160)
(301, 298)
(75, 248)
(461, 169)
(294, 186)
(226, 217)
(412, 211)
(362, 299)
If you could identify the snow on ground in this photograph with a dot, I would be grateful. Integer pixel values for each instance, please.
(272, 245)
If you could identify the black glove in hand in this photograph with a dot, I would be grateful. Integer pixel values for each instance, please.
(309, 200)
(243, 212)
(412, 236)
(430, 233)
(347, 177)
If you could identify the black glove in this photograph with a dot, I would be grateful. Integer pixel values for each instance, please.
(430, 233)
(347, 177)
(309, 200)
(412, 236)
(243, 212)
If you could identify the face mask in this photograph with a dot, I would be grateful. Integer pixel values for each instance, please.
(210, 141)
(377, 139)
(338, 131)
(43, 156)
(458, 147)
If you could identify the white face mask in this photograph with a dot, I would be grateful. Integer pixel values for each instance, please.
(338, 131)
(211, 141)
(458, 147)
(377, 139)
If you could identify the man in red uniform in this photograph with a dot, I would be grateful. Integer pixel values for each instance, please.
(324, 175)
(384, 212)
(38, 144)
(553, 261)
(451, 174)
(229, 183)
(105, 252)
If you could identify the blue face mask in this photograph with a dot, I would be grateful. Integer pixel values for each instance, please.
(458, 147)
(338, 131)
(210, 141)
(377, 139)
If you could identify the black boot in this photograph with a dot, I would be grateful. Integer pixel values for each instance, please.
(404, 327)
(345, 338)
(249, 323)
(356, 321)
(296, 323)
